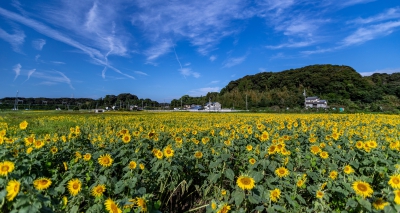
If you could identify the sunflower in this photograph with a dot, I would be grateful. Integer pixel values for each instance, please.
(397, 196)
(319, 194)
(132, 165)
(395, 181)
(87, 157)
(126, 138)
(323, 185)
(29, 140)
(223, 192)
(98, 190)
(359, 144)
(264, 136)
(333, 175)
(300, 183)
(348, 170)
(141, 166)
(225, 208)
(252, 161)
(213, 205)
(274, 195)
(42, 183)
(38, 144)
(111, 206)
(168, 152)
(65, 200)
(74, 186)
(105, 160)
(23, 125)
(65, 166)
(178, 139)
(363, 189)
(315, 149)
(53, 150)
(282, 172)
(159, 154)
(249, 147)
(245, 182)
(6, 167)
(29, 150)
(372, 144)
(272, 149)
(379, 204)
(335, 136)
(141, 202)
(324, 155)
(12, 189)
(198, 154)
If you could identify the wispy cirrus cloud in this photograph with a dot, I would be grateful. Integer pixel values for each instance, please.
(188, 72)
(52, 78)
(141, 73)
(387, 71)
(38, 43)
(364, 34)
(203, 91)
(17, 70)
(203, 23)
(230, 62)
(391, 13)
(96, 55)
(16, 40)
(30, 72)
(213, 57)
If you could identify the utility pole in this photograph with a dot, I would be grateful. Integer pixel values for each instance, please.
(16, 102)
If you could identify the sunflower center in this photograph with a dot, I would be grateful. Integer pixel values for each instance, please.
(106, 160)
(4, 168)
(362, 187)
(43, 182)
(246, 181)
(75, 186)
(168, 151)
(281, 171)
(16, 188)
(396, 181)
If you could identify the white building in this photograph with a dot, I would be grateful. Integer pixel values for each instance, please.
(315, 102)
(212, 106)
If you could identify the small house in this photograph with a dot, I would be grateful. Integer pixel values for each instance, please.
(315, 102)
(212, 106)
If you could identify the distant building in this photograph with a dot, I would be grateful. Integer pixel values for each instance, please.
(315, 102)
(195, 107)
(212, 106)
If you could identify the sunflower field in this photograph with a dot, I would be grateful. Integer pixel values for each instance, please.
(199, 162)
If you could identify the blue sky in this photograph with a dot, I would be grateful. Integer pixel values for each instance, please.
(162, 49)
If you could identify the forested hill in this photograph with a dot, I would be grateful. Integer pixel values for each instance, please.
(340, 85)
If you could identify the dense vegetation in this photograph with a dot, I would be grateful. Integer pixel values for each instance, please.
(341, 86)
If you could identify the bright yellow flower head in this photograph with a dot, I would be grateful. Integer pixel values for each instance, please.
(42, 183)
(111, 206)
(12, 188)
(6, 167)
(379, 204)
(319, 194)
(394, 181)
(132, 165)
(105, 160)
(363, 189)
(282, 172)
(74, 186)
(245, 182)
(98, 190)
(23, 125)
(274, 195)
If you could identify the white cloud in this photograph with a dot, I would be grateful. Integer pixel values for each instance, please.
(158, 50)
(203, 91)
(387, 71)
(30, 72)
(364, 34)
(141, 73)
(188, 72)
(58, 62)
(292, 44)
(52, 78)
(213, 57)
(354, 2)
(16, 40)
(391, 13)
(95, 54)
(38, 43)
(214, 82)
(262, 69)
(37, 57)
(187, 64)
(17, 70)
(203, 23)
(230, 62)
